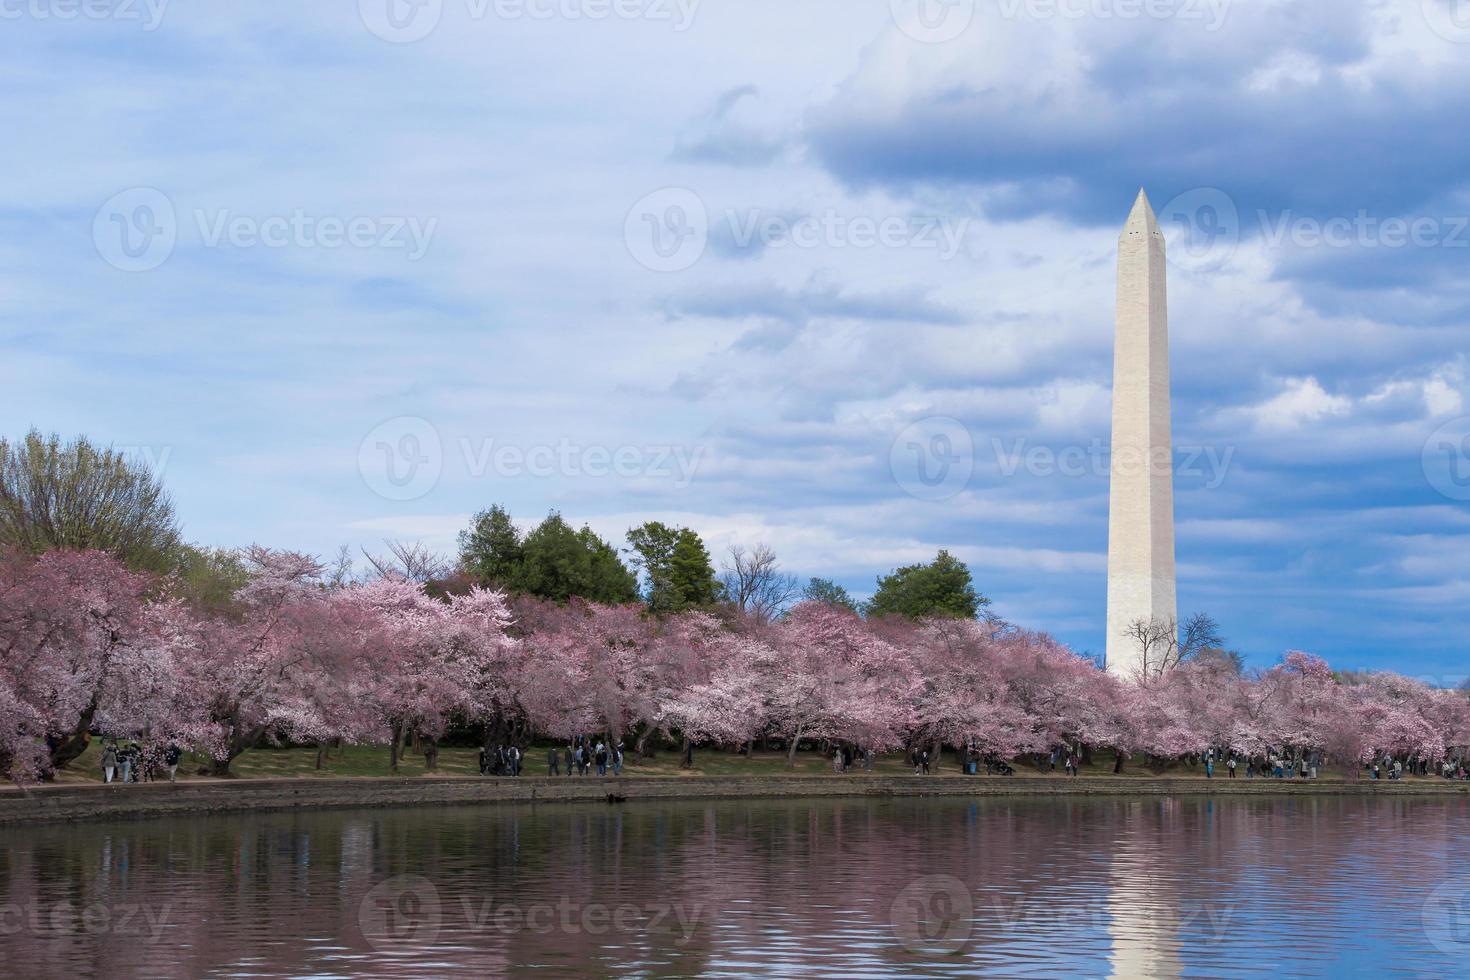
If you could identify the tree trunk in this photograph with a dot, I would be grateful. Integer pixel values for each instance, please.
(393, 745)
(321, 754)
(431, 753)
(791, 750)
(76, 743)
(1118, 763)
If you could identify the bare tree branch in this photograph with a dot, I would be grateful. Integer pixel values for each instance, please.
(414, 561)
(754, 581)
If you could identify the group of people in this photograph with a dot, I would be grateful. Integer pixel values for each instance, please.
(133, 763)
(503, 760)
(579, 758)
(843, 757)
(1067, 755)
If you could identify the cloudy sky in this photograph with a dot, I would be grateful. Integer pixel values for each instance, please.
(835, 275)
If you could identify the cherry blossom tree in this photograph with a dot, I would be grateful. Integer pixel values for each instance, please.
(65, 619)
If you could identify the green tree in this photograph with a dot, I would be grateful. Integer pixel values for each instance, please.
(558, 563)
(77, 495)
(677, 567)
(490, 548)
(552, 561)
(208, 578)
(829, 592)
(940, 588)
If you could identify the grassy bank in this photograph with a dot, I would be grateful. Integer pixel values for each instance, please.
(372, 760)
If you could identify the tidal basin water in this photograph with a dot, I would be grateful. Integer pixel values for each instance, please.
(854, 887)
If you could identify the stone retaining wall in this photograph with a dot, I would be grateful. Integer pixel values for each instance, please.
(96, 801)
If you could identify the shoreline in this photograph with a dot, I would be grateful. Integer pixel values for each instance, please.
(67, 803)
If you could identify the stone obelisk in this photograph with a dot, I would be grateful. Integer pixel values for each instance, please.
(1141, 488)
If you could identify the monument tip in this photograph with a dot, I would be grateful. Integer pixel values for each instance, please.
(1141, 218)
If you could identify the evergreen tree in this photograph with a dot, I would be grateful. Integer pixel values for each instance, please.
(829, 592)
(677, 567)
(552, 561)
(940, 588)
(490, 548)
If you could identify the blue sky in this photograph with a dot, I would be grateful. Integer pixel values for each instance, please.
(832, 275)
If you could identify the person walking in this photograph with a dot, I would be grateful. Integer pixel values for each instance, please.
(553, 762)
(617, 758)
(924, 761)
(1230, 766)
(171, 757)
(128, 752)
(1209, 767)
(601, 759)
(566, 756)
(109, 762)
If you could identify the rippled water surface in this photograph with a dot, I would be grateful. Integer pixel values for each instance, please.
(941, 887)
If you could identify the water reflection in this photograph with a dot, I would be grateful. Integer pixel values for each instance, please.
(1127, 888)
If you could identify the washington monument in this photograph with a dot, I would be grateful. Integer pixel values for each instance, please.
(1141, 487)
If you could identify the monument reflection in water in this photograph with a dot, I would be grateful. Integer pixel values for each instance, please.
(1157, 887)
